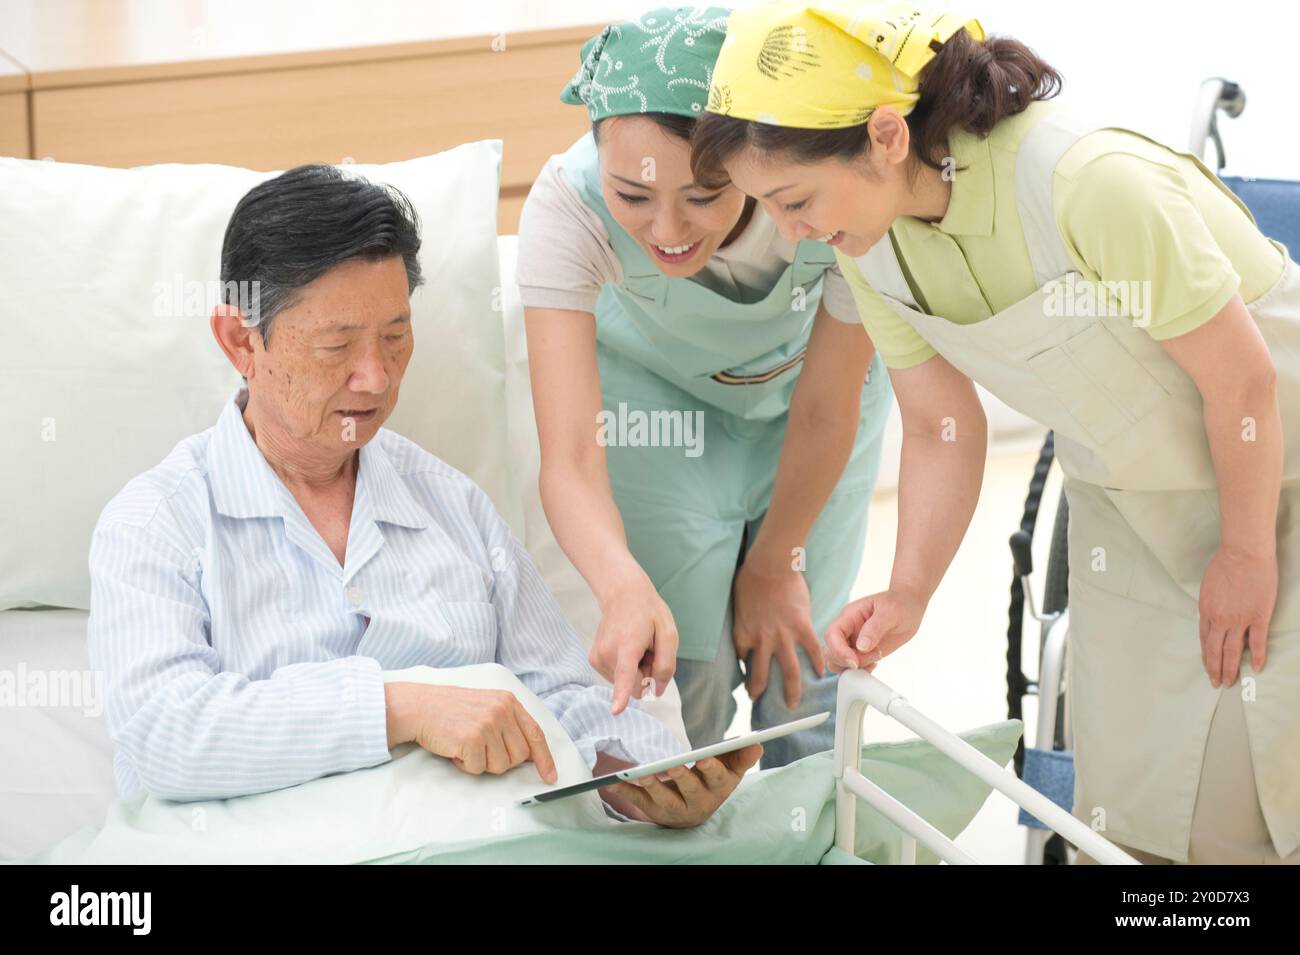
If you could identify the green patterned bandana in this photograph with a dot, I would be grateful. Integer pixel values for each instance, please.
(661, 62)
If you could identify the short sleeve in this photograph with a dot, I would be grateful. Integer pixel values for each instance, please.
(564, 257)
(838, 297)
(1131, 220)
(899, 344)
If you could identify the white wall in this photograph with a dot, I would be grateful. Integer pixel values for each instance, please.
(1142, 63)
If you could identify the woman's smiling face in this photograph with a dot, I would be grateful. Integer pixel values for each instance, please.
(844, 204)
(849, 203)
(645, 175)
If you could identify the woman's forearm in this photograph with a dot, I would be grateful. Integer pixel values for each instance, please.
(821, 430)
(574, 481)
(939, 485)
(1230, 363)
(1244, 429)
(814, 453)
(580, 507)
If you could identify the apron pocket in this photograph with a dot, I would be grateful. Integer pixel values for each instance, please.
(1100, 385)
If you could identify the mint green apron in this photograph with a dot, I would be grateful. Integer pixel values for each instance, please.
(673, 346)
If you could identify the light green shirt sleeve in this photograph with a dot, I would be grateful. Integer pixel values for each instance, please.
(1129, 219)
(899, 344)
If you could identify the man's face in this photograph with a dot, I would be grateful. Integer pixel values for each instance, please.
(329, 378)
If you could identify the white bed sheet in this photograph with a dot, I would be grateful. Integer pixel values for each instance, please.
(56, 762)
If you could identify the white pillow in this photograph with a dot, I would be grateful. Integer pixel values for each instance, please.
(106, 374)
(55, 754)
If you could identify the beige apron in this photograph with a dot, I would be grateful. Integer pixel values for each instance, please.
(1144, 524)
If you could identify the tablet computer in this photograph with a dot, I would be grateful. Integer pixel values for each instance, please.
(681, 759)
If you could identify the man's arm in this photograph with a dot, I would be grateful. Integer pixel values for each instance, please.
(191, 731)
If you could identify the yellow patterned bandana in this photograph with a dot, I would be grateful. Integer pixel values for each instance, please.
(826, 65)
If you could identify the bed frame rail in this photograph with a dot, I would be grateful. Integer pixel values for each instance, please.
(857, 691)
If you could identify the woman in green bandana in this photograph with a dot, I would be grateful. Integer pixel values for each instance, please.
(709, 406)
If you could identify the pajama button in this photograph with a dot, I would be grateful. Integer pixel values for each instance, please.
(354, 596)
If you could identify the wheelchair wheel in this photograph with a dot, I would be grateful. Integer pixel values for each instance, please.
(1056, 592)
(1056, 597)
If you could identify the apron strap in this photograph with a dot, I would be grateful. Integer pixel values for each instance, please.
(880, 267)
(1036, 160)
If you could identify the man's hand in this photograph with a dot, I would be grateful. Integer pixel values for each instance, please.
(478, 730)
(773, 612)
(689, 796)
(868, 630)
(636, 643)
(1236, 602)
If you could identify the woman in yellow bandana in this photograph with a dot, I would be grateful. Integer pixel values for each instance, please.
(1115, 291)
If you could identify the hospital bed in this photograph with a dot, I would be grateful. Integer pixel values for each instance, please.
(1047, 763)
(110, 362)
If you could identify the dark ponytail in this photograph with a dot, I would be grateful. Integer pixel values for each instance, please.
(969, 84)
(974, 86)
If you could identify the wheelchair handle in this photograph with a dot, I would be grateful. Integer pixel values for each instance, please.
(1022, 553)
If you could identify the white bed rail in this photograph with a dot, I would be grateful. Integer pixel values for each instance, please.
(857, 691)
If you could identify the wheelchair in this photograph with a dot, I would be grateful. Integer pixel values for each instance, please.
(1048, 765)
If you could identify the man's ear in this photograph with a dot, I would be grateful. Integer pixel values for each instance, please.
(235, 336)
(890, 136)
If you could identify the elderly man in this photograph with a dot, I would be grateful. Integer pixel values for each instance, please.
(249, 591)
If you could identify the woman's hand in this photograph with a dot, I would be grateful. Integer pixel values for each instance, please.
(868, 630)
(1238, 592)
(772, 614)
(636, 642)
